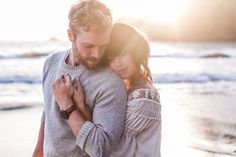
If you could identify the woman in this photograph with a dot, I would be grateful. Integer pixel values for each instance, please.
(127, 55)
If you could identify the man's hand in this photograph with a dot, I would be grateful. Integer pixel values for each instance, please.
(63, 91)
(78, 98)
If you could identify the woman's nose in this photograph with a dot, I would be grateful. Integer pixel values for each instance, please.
(118, 61)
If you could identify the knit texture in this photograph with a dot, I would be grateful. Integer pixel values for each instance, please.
(105, 95)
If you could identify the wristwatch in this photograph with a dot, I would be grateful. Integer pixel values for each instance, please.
(66, 113)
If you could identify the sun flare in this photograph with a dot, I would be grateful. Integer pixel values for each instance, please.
(156, 10)
(31, 18)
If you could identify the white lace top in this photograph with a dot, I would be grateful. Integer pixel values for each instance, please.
(142, 133)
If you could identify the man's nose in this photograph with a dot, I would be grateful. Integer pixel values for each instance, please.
(97, 52)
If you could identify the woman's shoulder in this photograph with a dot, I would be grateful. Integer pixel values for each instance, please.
(144, 103)
(149, 93)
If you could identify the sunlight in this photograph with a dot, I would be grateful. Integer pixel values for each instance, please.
(33, 20)
(25, 20)
(166, 11)
(175, 135)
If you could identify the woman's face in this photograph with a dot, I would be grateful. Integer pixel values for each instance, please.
(123, 65)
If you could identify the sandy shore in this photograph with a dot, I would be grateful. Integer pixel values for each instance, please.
(198, 120)
(19, 129)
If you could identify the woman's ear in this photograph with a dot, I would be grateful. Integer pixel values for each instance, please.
(70, 34)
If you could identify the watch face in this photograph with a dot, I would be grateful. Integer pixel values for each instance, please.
(64, 114)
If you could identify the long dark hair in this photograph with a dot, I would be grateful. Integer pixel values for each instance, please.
(125, 39)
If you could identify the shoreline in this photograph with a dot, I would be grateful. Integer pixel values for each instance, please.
(20, 132)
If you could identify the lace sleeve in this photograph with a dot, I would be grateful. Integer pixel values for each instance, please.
(143, 110)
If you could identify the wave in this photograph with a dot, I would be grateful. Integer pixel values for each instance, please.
(26, 55)
(207, 55)
(18, 105)
(28, 49)
(157, 78)
(190, 55)
(192, 78)
(20, 79)
(43, 54)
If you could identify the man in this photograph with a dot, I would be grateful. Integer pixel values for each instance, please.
(64, 132)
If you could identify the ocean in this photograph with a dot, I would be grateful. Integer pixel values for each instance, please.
(196, 81)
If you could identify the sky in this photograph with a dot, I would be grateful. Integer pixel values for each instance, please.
(43, 19)
(33, 19)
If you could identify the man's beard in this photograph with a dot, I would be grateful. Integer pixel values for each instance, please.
(77, 56)
(87, 64)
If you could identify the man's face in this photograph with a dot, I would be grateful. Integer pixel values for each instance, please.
(89, 47)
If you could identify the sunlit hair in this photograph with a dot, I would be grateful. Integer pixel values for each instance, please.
(124, 40)
(91, 15)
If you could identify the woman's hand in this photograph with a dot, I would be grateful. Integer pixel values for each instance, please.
(78, 98)
(63, 91)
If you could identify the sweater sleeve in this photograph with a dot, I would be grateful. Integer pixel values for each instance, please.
(100, 137)
(43, 73)
(45, 67)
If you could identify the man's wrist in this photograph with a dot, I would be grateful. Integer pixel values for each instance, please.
(66, 113)
(65, 104)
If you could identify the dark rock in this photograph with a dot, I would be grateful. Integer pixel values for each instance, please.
(216, 55)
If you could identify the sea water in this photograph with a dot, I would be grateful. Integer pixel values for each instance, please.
(196, 82)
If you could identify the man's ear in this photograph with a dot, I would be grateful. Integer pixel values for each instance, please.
(70, 35)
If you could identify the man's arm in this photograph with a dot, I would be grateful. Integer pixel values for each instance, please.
(76, 119)
(38, 151)
(63, 93)
(99, 137)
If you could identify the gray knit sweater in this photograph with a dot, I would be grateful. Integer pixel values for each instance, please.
(105, 94)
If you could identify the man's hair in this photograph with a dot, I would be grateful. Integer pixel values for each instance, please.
(90, 15)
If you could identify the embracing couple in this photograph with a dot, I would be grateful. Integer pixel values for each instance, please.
(99, 100)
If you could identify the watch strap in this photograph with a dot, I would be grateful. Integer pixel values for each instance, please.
(66, 113)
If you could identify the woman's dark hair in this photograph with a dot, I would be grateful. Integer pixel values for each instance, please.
(125, 39)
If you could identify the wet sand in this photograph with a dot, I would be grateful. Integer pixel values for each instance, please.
(19, 130)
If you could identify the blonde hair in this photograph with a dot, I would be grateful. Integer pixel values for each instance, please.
(90, 15)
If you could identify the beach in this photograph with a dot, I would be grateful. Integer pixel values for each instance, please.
(19, 130)
(188, 128)
(196, 82)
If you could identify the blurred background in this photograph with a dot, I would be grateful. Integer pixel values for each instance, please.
(193, 60)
